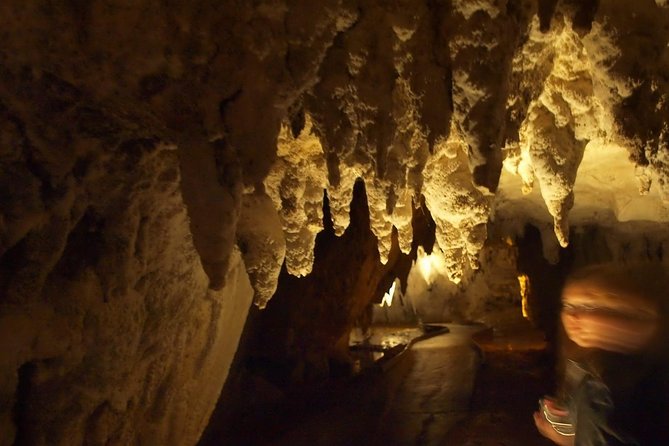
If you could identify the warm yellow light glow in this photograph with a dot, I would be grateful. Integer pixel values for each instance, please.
(430, 265)
(388, 297)
(524, 283)
(425, 265)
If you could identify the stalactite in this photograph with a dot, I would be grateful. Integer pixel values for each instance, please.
(460, 211)
(262, 243)
(296, 183)
(155, 157)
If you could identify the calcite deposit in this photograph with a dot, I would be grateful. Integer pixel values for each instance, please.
(296, 183)
(161, 162)
(107, 324)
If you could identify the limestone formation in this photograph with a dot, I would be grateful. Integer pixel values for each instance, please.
(262, 244)
(459, 209)
(160, 162)
(296, 183)
(108, 328)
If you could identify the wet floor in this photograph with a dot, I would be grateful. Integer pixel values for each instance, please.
(516, 373)
(437, 393)
(417, 400)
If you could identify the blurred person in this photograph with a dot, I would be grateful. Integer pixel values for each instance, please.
(614, 382)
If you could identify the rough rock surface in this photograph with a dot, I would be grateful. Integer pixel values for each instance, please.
(262, 244)
(306, 325)
(109, 331)
(296, 183)
(141, 141)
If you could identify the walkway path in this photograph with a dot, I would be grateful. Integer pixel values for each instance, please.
(415, 402)
(435, 394)
(516, 373)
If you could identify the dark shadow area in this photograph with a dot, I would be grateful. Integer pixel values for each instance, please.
(546, 12)
(546, 281)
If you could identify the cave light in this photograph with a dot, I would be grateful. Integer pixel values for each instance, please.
(524, 283)
(430, 265)
(425, 265)
(388, 297)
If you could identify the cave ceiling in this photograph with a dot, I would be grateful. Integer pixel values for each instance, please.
(511, 111)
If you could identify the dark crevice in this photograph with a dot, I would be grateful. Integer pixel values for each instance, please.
(225, 102)
(546, 12)
(95, 123)
(328, 225)
(21, 411)
(297, 119)
(11, 261)
(424, 227)
(584, 15)
(546, 280)
(332, 163)
(85, 245)
(28, 150)
(152, 84)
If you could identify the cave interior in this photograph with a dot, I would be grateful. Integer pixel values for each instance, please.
(253, 222)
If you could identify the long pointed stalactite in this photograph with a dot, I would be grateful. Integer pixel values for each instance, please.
(162, 165)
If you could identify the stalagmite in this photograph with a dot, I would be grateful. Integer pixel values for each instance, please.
(159, 161)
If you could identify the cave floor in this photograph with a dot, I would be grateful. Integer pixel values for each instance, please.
(445, 390)
(517, 371)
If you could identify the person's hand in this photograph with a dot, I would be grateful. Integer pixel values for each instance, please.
(554, 408)
(545, 429)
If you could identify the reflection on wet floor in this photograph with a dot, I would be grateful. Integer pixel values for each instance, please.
(382, 346)
(435, 393)
(416, 401)
(517, 371)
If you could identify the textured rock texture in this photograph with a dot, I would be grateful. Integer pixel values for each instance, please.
(148, 149)
(305, 327)
(109, 332)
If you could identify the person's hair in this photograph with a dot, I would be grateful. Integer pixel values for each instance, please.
(637, 290)
(638, 383)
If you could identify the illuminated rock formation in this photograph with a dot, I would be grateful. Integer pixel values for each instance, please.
(459, 209)
(261, 241)
(296, 183)
(159, 164)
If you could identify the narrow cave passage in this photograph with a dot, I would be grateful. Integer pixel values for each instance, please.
(420, 365)
(409, 371)
(333, 222)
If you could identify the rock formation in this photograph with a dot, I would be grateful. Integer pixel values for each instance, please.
(160, 163)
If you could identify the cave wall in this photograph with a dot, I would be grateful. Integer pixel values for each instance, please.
(159, 162)
(109, 331)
